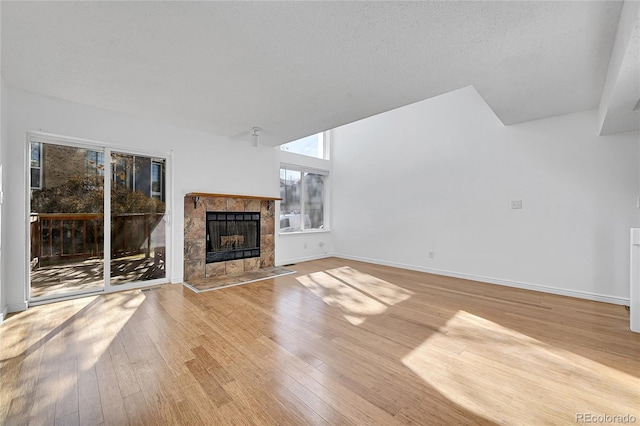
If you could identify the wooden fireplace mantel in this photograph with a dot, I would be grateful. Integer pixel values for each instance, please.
(246, 197)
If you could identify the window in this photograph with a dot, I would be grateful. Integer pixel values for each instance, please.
(122, 170)
(95, 162)
(312, 146)
(36, 165)
(139, 173)
(303, 199)
(156, 179)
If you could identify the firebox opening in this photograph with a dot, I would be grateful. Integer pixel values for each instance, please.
(232, 236)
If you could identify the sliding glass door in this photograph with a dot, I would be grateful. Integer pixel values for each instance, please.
(137, 218)
(66, 221)
(69, 253)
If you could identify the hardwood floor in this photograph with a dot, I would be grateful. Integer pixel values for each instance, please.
(338, 342)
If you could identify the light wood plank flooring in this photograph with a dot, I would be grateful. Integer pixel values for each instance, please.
(338, 342)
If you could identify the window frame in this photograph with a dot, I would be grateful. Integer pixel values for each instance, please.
(305, 170)
(323, 141)
(38, 167)
(49, 138)
(156, 194)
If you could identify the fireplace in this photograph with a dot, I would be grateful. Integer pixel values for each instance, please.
(206, 255)
(232, 236)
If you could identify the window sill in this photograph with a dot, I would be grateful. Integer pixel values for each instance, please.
(313, 231)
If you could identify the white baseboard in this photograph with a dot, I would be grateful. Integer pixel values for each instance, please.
(176, 280)
(17, 307)
(304, 259)
(526, 286)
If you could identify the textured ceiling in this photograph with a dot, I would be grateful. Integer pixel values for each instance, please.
(296, 68)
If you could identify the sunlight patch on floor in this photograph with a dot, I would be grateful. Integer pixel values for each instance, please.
(28, 326)
(57, 347)
(101, 335)
(356, 294)
(481, 365)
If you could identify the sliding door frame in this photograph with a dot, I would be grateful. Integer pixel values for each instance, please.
(107, 149)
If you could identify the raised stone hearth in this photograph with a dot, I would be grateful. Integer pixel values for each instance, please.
(196, 206)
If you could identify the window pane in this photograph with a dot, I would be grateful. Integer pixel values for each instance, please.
(122, 170)
(156, 177)
(137, 221)
(67, 223)
(314, 201)
(311, 146)
(35, 178)
(95, 162)
(35, 154)
(290, 189)
(142, 175)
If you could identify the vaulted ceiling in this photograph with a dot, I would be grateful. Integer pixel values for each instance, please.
(296, 68)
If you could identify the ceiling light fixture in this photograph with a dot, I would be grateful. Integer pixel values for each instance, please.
(255, 136)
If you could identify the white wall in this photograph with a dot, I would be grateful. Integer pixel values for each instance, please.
(3, 305)
(202, 162)
(3, 178)
(3, 139)
(434, 176)
(439, 175)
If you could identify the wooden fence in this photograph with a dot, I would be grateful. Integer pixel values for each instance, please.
(59, 237)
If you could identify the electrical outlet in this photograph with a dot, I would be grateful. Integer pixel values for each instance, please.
(431, 255)
(516, 204)
(305, 245)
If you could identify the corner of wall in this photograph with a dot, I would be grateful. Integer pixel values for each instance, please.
(3, 307)
(484, 101)
(17, 307)
(621, 52)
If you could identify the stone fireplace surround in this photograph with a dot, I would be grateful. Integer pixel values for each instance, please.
(196, 206)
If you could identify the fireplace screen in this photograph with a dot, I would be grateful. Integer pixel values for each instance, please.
(232, 236)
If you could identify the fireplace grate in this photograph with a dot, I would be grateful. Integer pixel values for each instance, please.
(232, 236)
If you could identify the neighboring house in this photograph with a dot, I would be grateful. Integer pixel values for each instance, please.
(142, 174)
(52, 165)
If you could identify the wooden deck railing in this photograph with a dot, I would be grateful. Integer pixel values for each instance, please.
(56, 237)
